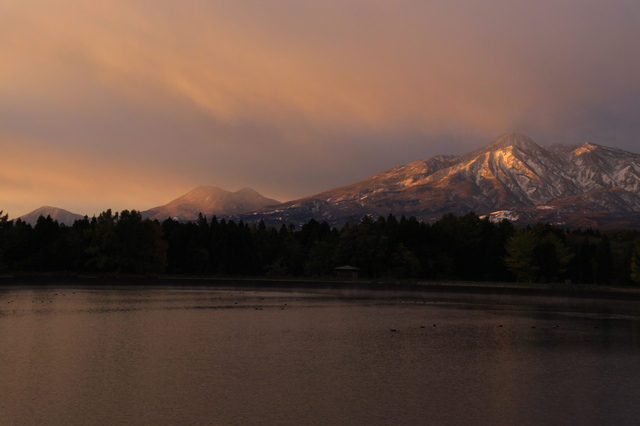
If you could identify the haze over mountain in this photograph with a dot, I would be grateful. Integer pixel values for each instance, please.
(510, 177)
(60, 215)
(210, 201)
(129, 103)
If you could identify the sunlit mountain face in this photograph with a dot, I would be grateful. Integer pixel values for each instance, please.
(511, 177)
(209, 201)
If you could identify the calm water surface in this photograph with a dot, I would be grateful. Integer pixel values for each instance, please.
(196, 356)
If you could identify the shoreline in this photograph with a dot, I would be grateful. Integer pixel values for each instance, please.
(347, 288)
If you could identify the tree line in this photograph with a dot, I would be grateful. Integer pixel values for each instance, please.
(453, 248)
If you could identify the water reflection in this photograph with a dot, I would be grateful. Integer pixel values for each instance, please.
(141, 356)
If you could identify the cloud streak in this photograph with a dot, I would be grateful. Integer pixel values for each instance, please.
(293, 97)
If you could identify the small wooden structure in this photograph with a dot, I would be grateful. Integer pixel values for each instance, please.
(347, 271)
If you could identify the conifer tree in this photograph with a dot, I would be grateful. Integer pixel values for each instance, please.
(635, 262)
(520, 256)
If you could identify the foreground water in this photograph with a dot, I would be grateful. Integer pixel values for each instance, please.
(196, 356)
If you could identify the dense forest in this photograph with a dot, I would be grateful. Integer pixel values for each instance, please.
(453, 248)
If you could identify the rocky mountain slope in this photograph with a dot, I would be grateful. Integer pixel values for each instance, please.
(60, 215)
(209, 200)
(511, 176)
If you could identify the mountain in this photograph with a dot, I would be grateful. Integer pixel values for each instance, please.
(209, 200)
(511, 176)
(60, 215)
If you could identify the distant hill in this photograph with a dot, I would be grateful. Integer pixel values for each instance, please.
(210, 200)
(60, 215)
(512, 177)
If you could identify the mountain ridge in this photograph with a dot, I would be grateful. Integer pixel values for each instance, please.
(60, 215)
(512, 172)
(511, 177)
(209, 201)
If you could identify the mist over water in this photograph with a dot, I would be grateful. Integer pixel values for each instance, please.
(199, 356)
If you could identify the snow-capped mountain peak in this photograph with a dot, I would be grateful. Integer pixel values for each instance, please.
(510, 173)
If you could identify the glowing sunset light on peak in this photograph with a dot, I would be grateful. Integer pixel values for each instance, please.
(294, 97)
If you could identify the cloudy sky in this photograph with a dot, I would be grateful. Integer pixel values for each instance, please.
(128, 104)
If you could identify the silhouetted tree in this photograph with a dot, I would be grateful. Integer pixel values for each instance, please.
(18, 235)
(5, 224)
(635, 262)
(125, 243)
(520, 257)
(604, 261)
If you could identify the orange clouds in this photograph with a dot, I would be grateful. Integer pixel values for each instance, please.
(374, 63)
(85, 185)
(219, 92)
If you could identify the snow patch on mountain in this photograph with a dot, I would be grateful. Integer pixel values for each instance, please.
(501, 215)
(509, 174)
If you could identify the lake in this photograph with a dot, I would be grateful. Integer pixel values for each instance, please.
(149, 355)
